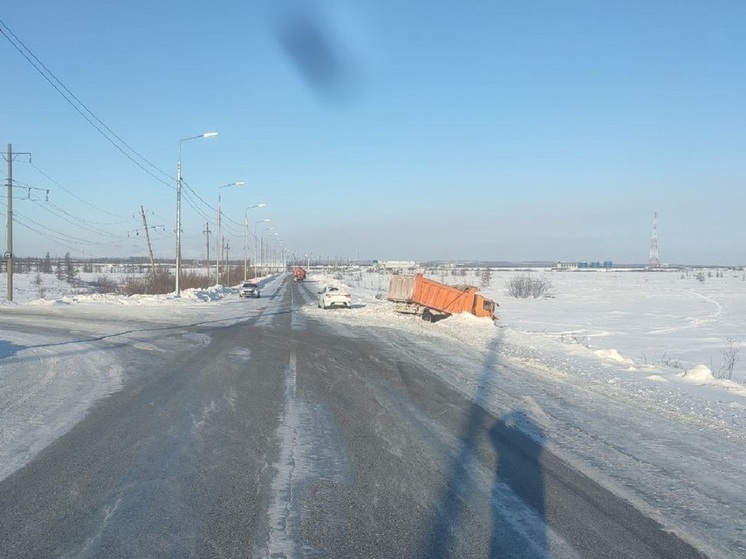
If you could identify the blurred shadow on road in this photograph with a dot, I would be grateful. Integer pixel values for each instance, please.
(518, 443)
(517, 466)
(9, 349)
(175, 328)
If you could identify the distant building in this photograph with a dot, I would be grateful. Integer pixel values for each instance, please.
(397, 264)
(584, 265)
(566, 265)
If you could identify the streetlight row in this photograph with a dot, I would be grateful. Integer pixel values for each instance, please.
(178, 206)
(218, 244)
(218, 239)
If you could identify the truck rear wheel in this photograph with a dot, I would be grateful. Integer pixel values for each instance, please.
(427, 316)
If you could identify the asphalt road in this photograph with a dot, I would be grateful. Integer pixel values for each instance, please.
(281, 436)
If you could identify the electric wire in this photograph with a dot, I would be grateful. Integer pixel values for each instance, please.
(46, 73)
(46, 236)
(78, 220)
(187, 197)
(84, 111)
(23, 220)
(58, 242)
(185, 186)
(76, 196)
(63, 215)
(20, 218)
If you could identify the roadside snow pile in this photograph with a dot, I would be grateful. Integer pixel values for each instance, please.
(210, 294)
(613, 355)
(47, 289)
(41, 401)
(701, 375)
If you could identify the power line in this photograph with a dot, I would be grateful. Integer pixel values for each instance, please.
(189, 200)
(76, 196)
(20, 218)
(45, 72)
(60, 213)
(186, 186)
(78, 220)
(57, 241)
(85, 112)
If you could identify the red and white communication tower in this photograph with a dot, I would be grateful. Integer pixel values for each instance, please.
(653, 260)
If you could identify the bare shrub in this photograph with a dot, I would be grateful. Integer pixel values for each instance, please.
(159, 283)
(672, 362)
(575, 338)
(523, 287)
(104, 284)
(71, 272)
(40, 288)
(485, 277)
(730, 358)
(136, 285)
(229, 275)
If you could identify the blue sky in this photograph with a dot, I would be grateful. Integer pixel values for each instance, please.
(386, 130)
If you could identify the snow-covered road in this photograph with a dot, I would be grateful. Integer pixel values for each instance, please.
(616, 373)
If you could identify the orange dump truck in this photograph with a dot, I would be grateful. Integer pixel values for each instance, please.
(434, 300)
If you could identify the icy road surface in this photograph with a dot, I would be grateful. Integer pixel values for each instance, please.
(210, 425)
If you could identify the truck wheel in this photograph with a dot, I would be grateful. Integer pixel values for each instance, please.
(427, 316)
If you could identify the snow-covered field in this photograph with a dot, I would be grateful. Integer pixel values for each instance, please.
(666, 327)
(619, 370)
(617, 373)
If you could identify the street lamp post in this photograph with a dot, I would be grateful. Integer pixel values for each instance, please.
(272, 252)
(218, 239)
(256, 242)
(178, 207)
(265, 252)
(246, 240)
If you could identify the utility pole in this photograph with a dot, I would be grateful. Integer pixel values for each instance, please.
(147, 237)
(245, 245)
(219, 247)
(227, 260)
(654, 259)
(207, 235)
(9, 253)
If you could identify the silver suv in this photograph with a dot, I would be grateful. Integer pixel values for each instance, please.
(249, 289)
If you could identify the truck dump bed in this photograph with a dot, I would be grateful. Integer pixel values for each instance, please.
(432, 294)
(401, 289)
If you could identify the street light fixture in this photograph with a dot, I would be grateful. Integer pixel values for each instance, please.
(218, 240)
(246, 240)
(178, 206)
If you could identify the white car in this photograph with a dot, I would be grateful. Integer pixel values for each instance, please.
(249, 289)
(334, 297)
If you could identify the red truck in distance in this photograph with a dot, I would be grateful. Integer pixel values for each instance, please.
(299, 274)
